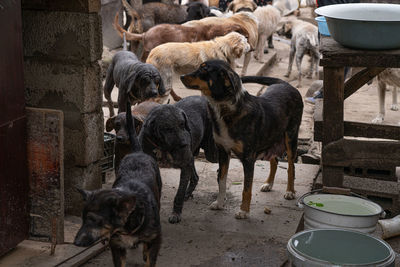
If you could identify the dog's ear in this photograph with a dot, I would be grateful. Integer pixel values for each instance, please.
(161, 87)
(186, 121)
(230, 7)
(238, 50)
(254, 5)
(128, 83)
(110, 124)
(85, 193)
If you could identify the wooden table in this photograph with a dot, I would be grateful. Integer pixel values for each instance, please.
(362, 158)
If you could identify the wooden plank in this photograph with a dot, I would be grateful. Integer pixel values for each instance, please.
(359, 129)
(318, 126)
(332, 120)
(46, 172)
(267, 64)
(82, 6)
(375, 154)
(368, 130)
(334, 54)
(359, 79)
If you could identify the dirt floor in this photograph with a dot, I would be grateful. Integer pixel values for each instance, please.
(215, 238)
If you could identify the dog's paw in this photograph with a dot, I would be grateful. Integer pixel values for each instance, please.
(394, 107)
(174, 218)
(239, 65)
(378, 119)
(266, 187)
(216, 206)
(290, 195)
(287, 75)
(241, 214)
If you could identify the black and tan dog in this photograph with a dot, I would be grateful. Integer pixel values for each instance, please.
(252, 127)
(173, 134)
(136, 81)
(128, 213)
(118, 123)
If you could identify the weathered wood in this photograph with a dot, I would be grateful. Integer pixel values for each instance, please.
(373, 154)
(333, 120)
(334, 54)
(359, 129)
(359, 79)
(318, 126)
(267, 65)
(83, 6)
(46, 172)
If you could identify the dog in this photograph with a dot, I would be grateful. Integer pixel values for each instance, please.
(136, 81)
(127, 214)
(191, 55)
(389, 77)
(268, 18)
(304, 39)
(252, 127)
(246, 20)
(241, 5)
(165, 33)
(173, 134)
(118, 123)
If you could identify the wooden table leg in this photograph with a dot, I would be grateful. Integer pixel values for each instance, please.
(332, 120)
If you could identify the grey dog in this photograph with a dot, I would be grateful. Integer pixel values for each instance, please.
(136, 81)
(174, 134)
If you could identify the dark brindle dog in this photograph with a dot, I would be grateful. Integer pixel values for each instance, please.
(173, 134)
(128, 213)
(135, 80)
(252, 127)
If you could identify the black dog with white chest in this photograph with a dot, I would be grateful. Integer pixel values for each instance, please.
(252, 127)
(128, 213)
(174, 134)
(136, 81)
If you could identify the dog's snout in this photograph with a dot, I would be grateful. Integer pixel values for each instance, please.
(82, 239)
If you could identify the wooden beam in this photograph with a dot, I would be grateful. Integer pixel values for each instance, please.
(359, 79)
(332, 120)
(373, 154)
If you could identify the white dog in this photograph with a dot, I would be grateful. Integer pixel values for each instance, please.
(389, 77)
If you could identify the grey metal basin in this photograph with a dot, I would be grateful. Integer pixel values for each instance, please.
(364, 26)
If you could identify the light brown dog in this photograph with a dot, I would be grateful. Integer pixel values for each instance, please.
(268, 18)
(241, 5)
(183, 58)
(245, 19)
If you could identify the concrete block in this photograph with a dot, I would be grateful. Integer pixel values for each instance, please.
(84, 141)
(87, 177)
(46, 173)
(72, 88)
(62, 36)
(84, 6)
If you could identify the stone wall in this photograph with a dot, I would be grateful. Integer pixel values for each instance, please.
(62, 48)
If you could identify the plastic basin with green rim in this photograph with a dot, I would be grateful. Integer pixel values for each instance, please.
(338, 247)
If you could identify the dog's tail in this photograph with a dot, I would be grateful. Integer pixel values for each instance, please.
(130, 125)
(262, 80)
(128, 35)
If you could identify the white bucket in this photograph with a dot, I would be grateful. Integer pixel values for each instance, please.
(338, 247)
(323, 211)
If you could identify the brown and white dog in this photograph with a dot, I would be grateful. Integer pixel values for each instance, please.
(246, 20)
(182, 58)
(165, 33)
(389, 77)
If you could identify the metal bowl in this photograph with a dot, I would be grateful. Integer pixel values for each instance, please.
(364, 26)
